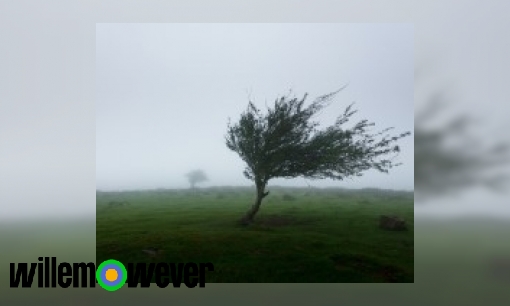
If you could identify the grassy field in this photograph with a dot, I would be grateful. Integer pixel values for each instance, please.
(300, 235)
(452, 267)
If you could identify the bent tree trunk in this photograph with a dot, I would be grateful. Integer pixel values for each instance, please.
(248, 218)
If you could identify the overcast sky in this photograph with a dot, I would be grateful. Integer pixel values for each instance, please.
(165, 93)
(52, 99)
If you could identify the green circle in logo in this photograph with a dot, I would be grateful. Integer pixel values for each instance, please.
(111, 275)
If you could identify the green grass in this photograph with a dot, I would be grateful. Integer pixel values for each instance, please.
(452, 260)
(299, 236)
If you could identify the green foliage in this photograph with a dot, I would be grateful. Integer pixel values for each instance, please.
(285, 142)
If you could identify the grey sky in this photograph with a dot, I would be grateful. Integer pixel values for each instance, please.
(48, 83)
(165, 92)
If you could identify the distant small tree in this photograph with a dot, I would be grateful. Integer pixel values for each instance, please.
(195, 177)
(285, 143)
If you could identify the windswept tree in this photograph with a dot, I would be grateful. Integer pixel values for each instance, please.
(196, 177)
(284, 142)
(449, 160)
(448, 157)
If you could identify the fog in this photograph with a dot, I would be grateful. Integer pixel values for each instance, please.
(165, 93)
(49, 104)
(60, 83)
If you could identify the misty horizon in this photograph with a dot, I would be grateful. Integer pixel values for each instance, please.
(205, 187)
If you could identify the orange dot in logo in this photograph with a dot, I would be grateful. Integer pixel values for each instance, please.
(111, 275)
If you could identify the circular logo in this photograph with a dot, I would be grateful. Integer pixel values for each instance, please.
(111, 275)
